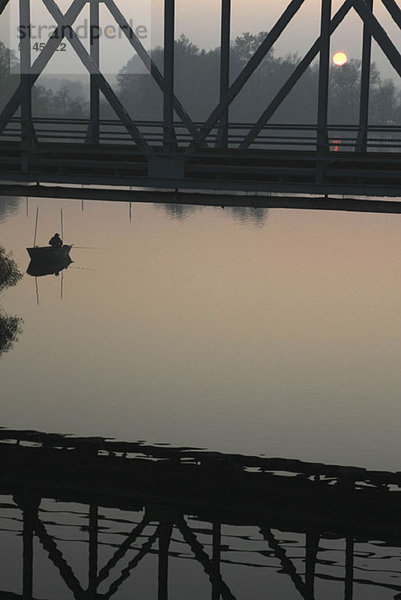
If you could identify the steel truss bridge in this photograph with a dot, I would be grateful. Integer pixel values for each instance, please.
(217, 154)
(172, 489)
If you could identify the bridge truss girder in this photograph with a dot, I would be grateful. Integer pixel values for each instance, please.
(169, 161)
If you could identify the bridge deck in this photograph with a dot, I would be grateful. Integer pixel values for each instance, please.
(284, 171)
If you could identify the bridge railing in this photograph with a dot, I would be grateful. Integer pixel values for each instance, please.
(341, 138)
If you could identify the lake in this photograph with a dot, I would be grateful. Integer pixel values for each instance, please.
(258, 332)
(266, 332)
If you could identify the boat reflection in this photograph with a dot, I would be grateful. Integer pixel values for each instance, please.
(48, 265)
(182, 523)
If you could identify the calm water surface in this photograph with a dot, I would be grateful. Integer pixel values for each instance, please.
(269, 332)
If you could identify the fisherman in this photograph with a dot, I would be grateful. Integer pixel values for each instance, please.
(56, 241)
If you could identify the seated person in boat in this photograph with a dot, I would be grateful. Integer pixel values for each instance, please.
(56, 241)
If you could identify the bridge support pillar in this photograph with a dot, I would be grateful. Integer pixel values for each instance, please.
(362, 139)
(168, 98)
(222, 137)
(323, 96)
(26, 89)
(93, 130)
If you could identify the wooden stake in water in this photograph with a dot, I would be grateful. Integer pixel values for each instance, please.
(62, 225)
(36, 226)
(37, 291)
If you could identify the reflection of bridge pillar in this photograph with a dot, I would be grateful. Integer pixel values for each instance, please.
(312, 547)
(216, 558)
(164, 543)
(93, 549)
(349, 568)
(29, 506)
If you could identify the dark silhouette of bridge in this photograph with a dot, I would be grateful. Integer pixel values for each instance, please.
(217, 154)
(175, 488)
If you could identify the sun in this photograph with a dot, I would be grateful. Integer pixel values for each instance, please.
(339, 59)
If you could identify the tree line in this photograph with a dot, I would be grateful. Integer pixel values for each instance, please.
(197, 80)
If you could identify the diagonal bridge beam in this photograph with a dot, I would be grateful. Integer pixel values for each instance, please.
(125, 574)
(101, 82)
(58, 560)
(64, 30)
(122, 550)
(149, 64)
(394, 10)
(379, 33)
(294, 77)
(246, 73)
(40, 63)
(60, 33)
(3, 4)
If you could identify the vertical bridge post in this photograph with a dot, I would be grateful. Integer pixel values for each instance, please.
(323, 96)
(362, 140)
(222, 140)
(93, 133)
(168, 98)
(25, 75)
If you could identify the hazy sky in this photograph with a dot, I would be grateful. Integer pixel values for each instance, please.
(201, 23)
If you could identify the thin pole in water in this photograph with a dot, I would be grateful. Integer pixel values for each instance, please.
(27, 206)
(62, 225)
(37, 291)
(36, 226)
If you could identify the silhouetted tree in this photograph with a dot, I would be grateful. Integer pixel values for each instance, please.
(9, 272)
(8, 80)
(197, 86)
(10, 329)
(46, 102)
(10, 326)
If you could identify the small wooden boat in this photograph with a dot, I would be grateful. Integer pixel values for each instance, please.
(49, 253)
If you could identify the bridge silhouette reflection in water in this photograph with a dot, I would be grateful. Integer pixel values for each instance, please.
(147, 520)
